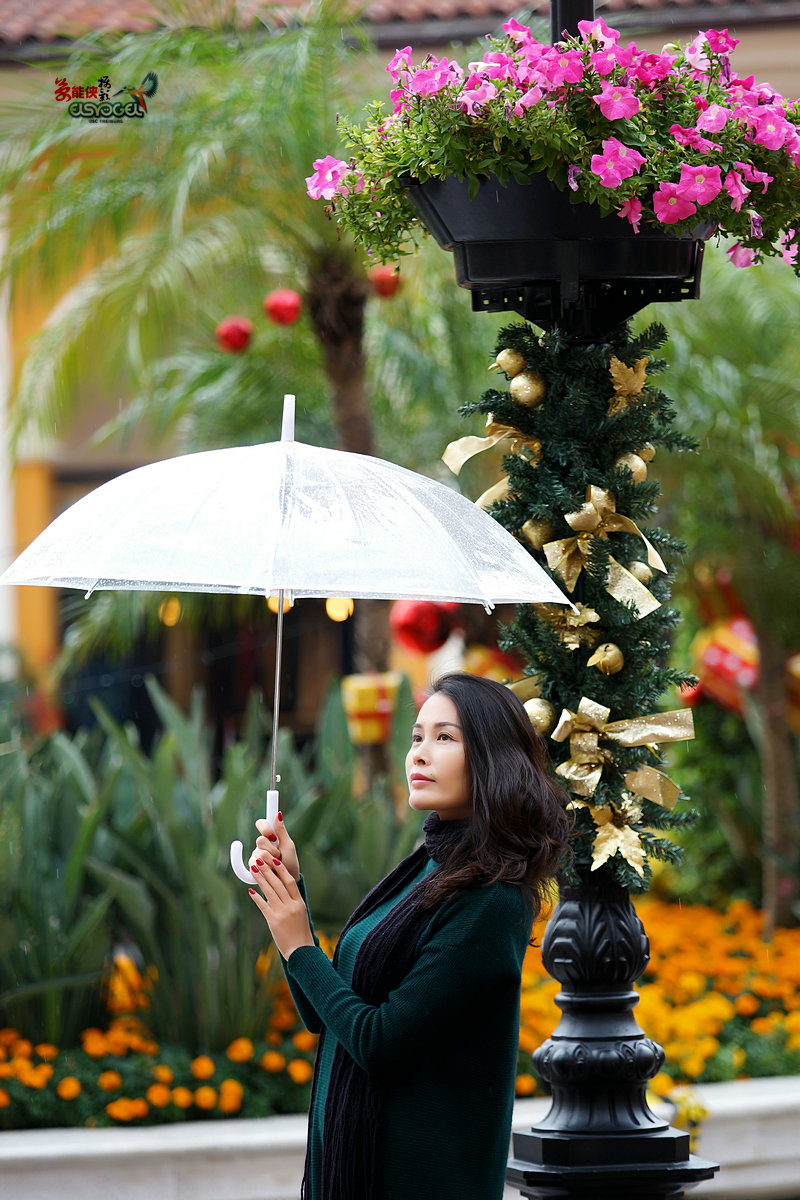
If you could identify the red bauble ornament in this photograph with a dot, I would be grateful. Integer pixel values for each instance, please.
(690, 694)
(422, 626)
(384, 280)
(283, 306)
(233, 334)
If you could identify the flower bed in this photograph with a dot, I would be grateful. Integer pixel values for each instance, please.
(724, 1004)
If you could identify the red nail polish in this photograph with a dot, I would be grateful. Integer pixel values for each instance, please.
(254, 869)
(271, 837)
(280, 816)
(252, 891)
(277, 862)
(259, 862)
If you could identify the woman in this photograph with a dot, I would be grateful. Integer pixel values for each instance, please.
(419, 1011)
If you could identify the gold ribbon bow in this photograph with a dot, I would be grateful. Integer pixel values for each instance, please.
(597, 517)
(628, 383)
(458, 452)
(590, 723)
(571, 627)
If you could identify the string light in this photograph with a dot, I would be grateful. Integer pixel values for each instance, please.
(169, 611)
(339, 608)
(272, 604)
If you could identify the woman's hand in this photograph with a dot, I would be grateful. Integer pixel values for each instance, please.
(281, 905)
(276, 843)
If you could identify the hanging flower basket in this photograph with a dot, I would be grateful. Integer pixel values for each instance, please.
(525, 247)
(658, 150)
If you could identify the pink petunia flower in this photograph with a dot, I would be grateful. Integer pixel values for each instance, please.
(603, 61)
(617, 102)
(561, 68)
(788, 244)
(598, 30)
(714, 118)
(572, 176)
(691, 137)
(734, 186)
(670, 205)
(617, 162)
(697, 54)
(400, 63)
(740, 255)
(527, 100)
(720, 41)
(632, 209)
(327, 178)
(434, 78)
(495, 65)
(752, 175)
(476, 93)
(771, 127)
(650, 69)
(700, 184)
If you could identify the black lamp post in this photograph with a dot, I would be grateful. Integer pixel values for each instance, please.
(600, 1140)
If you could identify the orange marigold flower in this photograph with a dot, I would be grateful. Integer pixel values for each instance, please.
(159, 1095)
(6, 1070)
(747, 1004)
(8, 1036)
(94, 1043)
(240, 1050)
(526, 1084)
(305, 1040)
(21, 1048)
(300, 1071)
(202, 1067)
(273, 1062)
(205, 1097)
(120, 1109)
(283, 1018)
(139, 1107)
(5, 1099)
(46, 1051)
(230, 1096)
(273, 1038)
(109, 1081)
(662, 1084)
(182, 1097)
(163, 1074)
(68, 1088)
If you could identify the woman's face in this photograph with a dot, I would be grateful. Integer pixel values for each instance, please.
(436, 764)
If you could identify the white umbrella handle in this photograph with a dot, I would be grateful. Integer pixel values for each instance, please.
(237, 857)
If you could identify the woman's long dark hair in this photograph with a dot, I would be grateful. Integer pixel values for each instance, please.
(519, 825)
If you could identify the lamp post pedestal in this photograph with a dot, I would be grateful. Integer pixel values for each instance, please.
(600, 1140)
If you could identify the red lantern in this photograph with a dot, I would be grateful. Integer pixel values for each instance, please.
(233, 334)
(385, 280)
(283, 306)
(422, 626)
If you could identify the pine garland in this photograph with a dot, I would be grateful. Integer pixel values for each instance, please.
(570, 440)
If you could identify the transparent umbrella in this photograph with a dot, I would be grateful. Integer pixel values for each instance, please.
(285, 519)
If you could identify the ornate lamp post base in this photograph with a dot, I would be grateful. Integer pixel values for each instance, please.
(600, 1139)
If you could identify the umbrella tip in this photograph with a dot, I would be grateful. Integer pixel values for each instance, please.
(287, 429)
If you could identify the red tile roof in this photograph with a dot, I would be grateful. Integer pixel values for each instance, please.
(47, 20)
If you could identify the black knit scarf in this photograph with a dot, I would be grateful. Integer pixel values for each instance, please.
(353, 1106)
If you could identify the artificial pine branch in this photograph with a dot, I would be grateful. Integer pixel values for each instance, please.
(600, 403)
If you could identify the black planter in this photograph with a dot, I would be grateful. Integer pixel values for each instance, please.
(526, 248)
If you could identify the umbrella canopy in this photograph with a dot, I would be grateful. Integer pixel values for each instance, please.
(289, 519)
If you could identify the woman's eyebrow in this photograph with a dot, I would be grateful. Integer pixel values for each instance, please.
(440, 725)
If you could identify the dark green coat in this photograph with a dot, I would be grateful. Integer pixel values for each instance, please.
(443, 1047)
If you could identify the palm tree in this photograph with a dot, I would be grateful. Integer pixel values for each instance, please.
(194, 212)
(734, 369)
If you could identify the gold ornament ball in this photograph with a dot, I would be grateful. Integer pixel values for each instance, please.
(542, 715)
(538, 532)
(528, 388)
(608, 658)
(509, 361)
(636, 465)
(640, 570)
(647, 452)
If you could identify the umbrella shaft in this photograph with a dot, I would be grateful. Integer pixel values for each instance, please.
(276, 703)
